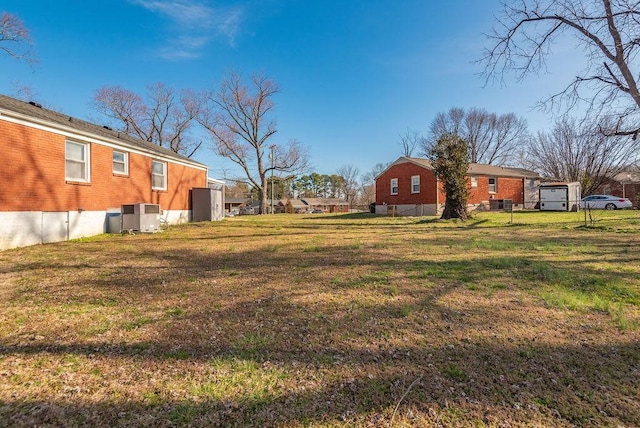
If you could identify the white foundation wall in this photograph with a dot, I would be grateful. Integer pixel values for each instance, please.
(175, 216)
(411, 210)
(21, 229)
(87, 223)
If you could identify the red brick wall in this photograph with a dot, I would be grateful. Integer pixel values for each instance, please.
(631, 191)
(342, 208)
(403, 172)
(508, 188)
(33, 176)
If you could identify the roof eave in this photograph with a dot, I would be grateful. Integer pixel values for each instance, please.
(94, 136)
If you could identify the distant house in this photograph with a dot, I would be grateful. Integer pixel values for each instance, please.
(409, 187)
(625, 185)
(61, 176)
(327, 205)
(231, 204)
(291, 206)
(250, 208)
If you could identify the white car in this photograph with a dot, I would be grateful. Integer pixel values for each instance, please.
(605, 202)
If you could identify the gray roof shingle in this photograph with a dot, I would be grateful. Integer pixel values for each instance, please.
(36, 113)
(478, 169)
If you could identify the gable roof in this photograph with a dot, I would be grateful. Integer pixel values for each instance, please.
(323, 201)
(236, 200)
(500, 171)
(38, 115)
(630, 176)
(295, 203)
(474, 168)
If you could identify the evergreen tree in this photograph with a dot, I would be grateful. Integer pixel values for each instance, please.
(449, 157)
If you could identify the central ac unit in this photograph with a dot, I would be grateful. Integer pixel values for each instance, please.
(141, 217)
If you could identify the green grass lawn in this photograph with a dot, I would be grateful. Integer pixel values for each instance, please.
(329, 320)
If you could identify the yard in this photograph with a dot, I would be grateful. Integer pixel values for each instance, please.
(328, 320)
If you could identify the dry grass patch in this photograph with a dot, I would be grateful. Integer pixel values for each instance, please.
(347, 320)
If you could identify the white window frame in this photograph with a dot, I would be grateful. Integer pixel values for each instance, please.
(124, 163)
(493, 186)
(474, 181)
(85, 162)
(163, 175)
(415, 184)
(394, 180)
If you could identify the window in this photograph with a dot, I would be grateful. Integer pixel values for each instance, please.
(120, 163)
(493, 185)
(474, 181)
(394, 186)
(159, 175)
(415, 184)
(76, 161)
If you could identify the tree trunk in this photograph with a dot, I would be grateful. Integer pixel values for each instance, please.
(263, 195)
(454, 209)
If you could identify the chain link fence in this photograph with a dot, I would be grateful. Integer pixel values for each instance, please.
(572, 213)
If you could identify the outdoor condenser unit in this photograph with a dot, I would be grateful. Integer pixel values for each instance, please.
(141, 217)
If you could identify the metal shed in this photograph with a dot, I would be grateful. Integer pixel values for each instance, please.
(560, 196)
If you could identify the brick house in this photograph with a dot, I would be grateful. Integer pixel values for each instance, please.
(327, 205)
(291, 206)
(61, 176)
(624, 185)
(409, 187)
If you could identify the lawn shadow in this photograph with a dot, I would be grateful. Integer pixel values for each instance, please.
(388, 345)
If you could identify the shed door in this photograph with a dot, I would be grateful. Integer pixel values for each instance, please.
(217, 204)
(554, 199)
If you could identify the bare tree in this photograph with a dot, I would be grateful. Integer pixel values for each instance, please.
(368, 183)
(367, 193)
(22, 91)
(444, 123)
(571, 152)
(509, 133)
(15, 40)
(349, 174)
(479, 130)
(237, 189)
(164, 118)
(492, 138)
(238, 117)
(370, 177)
(409, 142)
(608, 33)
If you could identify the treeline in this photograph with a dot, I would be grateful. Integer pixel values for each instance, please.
(312, 185)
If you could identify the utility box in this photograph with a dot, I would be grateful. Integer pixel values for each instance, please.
(114, 222)
(207, 204)
(500, 204)
(141, 218)
(560, 196)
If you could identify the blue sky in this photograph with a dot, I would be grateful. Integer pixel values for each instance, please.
(354, 74)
